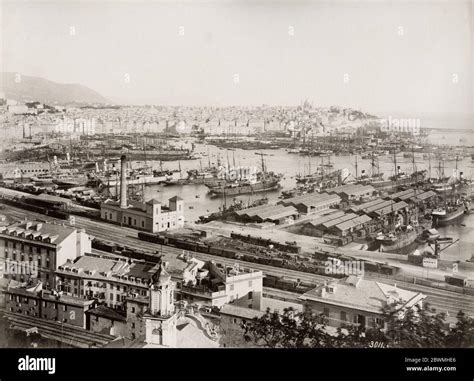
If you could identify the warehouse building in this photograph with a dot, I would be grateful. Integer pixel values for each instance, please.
(314, 227)
(338, 225)
(412, 196)
(352, 226)
(278, 214)
(354, 192)
(312, 203)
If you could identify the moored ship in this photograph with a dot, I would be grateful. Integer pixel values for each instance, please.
(400, 241)
(261, 181)
(449, 215)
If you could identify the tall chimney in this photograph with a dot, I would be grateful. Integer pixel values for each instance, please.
(123, 182)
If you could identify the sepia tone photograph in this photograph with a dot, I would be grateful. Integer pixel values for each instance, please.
(236, 174)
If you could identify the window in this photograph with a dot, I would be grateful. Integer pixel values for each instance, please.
(250, 283)
(326, 311)
(133, 325)
(379, 322)
(250, 295)
(133, 310)
(143, 224)
(111, 296)
(64, 308)
(235, 320)
(343, 316)
(231, 287)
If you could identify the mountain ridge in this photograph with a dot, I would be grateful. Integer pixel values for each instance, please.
(29, 88)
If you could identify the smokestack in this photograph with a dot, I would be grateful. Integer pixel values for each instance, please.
(123, 182)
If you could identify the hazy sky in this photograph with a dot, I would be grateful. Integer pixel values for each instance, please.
(401, 56)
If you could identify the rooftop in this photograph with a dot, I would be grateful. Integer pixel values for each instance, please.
(268, 212)
(107, 312)
(311, 199)
(38, 231)
(242, 312)
(122, 271)
(361, 294)
(351, 189)
(353, 222)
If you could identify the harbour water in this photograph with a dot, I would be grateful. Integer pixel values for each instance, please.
(198, 201)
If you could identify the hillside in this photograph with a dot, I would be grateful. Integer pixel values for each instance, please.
(43, 90)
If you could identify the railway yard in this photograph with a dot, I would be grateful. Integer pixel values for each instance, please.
(442, 300)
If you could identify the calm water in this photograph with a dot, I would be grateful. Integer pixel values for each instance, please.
(198, 202)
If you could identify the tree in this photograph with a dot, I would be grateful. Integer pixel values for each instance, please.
(462, 334)
(417, 327)
(291, 329)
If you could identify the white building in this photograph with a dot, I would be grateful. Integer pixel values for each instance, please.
(151, 216)
(214, 285)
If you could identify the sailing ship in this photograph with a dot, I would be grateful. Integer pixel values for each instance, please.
(399, 178)
(321, 174)
(261, 181)
(455, 207)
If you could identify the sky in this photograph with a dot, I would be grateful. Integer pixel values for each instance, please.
(412, 57)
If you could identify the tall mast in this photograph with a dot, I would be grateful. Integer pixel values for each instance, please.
(356, 167)
(429, 165)
(395, 161)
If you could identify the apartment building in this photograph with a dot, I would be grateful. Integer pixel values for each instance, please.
(215, 284)
(107, 280)
(39, 248)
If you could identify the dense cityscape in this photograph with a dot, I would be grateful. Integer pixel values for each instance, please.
(99, 201)
(221, 176)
